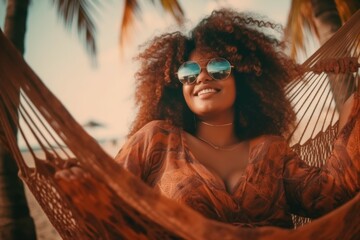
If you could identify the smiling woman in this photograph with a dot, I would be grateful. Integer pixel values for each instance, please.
(212, 122)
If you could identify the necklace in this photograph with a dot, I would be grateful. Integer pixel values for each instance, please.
(216, 147)
(216, 125)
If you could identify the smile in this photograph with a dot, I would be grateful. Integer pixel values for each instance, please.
(206, 90)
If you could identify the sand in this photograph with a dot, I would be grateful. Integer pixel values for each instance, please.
(44, 229)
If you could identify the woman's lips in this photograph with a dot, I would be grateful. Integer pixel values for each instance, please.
(206, 92)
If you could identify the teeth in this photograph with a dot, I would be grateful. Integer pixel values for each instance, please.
(207, 90)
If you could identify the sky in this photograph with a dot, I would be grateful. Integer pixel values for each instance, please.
(104, 93)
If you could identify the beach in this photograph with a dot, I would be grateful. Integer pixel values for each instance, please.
(44, 229)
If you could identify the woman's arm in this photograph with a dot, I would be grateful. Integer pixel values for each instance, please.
(345, 112)
(312, 191)
(144, 153)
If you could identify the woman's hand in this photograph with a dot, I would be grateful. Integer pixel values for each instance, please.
(71, 174)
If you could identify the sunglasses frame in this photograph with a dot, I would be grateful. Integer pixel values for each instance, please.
(201, 68)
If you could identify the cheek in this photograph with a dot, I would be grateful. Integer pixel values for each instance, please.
(230, 94)
(233, 94)
(187, 94)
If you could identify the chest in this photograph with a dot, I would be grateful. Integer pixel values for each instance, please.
(196, 185)
(227, 165)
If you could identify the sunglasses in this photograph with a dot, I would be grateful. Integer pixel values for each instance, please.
(217, 68)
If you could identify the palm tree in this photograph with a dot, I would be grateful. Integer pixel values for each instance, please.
(15, 220)
(132, 12)
(319, 19)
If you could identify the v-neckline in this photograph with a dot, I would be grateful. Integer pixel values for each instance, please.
(214, 175)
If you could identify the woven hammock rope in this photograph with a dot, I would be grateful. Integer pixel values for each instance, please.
(121, 205)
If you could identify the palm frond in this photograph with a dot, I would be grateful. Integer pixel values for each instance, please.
(174, 8)
(299, 23)
(132, 10)
(82, 13)
(346, 8)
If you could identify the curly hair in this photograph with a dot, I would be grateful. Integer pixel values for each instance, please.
(261, 72)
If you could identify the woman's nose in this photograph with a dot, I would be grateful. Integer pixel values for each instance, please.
(203, 76)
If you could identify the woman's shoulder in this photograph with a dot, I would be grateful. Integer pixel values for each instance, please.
(152, 133)
(268, 139)
(157, 135)
(269, 145)
(350, 109)
(157, 127)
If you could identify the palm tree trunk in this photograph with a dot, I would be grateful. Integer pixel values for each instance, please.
(327, 21)
(15, 22)
(15, 219)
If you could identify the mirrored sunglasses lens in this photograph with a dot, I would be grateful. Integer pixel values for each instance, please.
(188, 72)
(219, 68)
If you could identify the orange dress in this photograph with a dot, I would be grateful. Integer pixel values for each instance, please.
(275, 183)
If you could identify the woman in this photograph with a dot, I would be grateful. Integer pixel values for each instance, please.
(211, 126)
(210, 133)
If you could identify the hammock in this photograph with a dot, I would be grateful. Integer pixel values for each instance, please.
(110, 203)
(331, 74)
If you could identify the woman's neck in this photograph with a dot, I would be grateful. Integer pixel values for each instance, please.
(218, 133)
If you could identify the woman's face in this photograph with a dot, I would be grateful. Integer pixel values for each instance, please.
(208, 98)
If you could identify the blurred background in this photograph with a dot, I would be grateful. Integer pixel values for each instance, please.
(98, 89)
